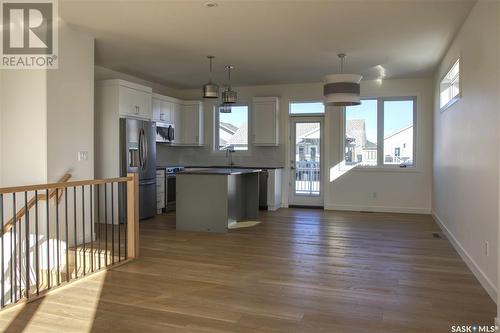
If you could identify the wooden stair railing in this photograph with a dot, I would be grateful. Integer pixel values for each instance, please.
(31, 203)
(93, 242)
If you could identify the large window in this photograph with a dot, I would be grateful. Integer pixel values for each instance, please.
(231, 129)
(449, 88)
(380, 132)
(307, 108)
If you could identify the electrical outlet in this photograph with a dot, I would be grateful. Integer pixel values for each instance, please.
(487, 248)
(82, 155)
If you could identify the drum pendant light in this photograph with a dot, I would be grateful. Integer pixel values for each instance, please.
(342, 89)
(210, 90)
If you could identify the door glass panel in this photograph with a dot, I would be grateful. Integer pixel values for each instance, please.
(307, 158)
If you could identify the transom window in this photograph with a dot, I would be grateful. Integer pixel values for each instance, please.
(380, 132)
(449, 87)
(306, 108)
(231, 129)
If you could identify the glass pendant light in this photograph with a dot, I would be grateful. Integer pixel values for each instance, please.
(210, 89)
(229, 96)
(342, 89)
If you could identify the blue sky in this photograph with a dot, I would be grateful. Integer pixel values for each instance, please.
(238, 116)
(397, 115)
(305, 108)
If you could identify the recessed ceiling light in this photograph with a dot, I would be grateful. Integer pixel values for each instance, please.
(211, 4)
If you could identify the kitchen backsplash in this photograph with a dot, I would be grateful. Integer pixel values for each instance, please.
(204, 156)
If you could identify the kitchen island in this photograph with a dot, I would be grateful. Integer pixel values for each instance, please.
(212, 199)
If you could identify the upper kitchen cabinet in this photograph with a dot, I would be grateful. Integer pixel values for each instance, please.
(191, 115)
(165, 108)
(265, 115)
(129, 99)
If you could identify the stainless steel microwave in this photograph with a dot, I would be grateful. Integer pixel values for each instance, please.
(165, 132)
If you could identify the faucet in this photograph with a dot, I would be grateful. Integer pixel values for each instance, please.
(229, 154)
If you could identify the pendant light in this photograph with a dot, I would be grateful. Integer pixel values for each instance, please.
(229, 96)
(210, 90)
(342, 89)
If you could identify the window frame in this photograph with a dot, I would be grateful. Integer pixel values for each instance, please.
(215, 140)
(381, 166)
(457, 97)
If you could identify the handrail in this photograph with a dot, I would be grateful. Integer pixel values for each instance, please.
(38, 187)
(20, 213)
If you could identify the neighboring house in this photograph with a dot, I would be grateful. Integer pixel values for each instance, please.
(398, 146)
(226, 131)
(358, 149)
(307, 138)
(239, 139)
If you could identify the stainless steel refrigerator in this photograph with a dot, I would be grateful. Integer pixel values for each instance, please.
(138, 154)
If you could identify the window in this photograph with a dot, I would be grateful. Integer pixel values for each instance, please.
(361, 133)
(380, 127)
(307, 108)
(231, 129)
(449, 88)
(398, 131)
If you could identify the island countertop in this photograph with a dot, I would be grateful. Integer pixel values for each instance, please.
(218, 171)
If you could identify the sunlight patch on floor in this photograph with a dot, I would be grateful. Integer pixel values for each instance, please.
(73, 306)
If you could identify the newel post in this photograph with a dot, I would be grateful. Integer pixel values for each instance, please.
(133, 216)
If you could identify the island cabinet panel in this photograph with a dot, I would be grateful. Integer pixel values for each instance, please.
(201, 203)
(265, 115)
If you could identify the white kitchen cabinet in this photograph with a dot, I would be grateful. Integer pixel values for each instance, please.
(164, 108)
(126, 99)
(274, 189)
(265, 115)
(192, 125)
(185, 116)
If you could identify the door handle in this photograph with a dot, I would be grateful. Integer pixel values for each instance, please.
(144, 148)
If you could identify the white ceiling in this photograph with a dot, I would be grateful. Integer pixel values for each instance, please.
(268, 41)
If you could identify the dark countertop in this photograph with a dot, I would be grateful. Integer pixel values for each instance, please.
(220, 167)
(218, 171)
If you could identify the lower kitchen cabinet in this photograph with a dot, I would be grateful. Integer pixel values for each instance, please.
(270, 189)
(160, 191)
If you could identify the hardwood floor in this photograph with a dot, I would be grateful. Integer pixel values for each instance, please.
(299, 270)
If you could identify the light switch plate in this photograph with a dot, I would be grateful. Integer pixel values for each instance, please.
(82, 155)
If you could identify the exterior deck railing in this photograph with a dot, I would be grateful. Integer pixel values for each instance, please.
(307, 177)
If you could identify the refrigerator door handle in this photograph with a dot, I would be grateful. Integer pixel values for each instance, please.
(143, 149)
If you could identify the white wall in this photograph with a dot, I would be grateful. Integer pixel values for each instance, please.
(466, 142)
(23, 99)
(70, 107)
